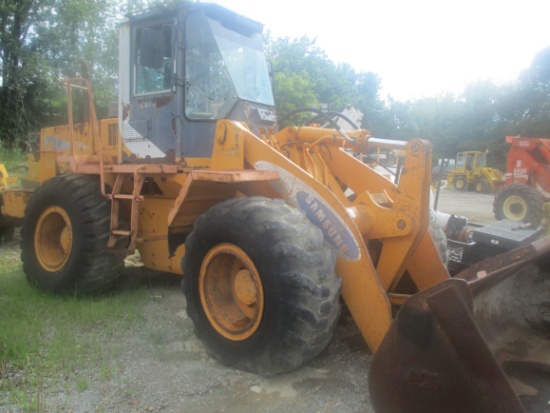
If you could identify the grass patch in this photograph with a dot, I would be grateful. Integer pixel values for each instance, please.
(13, 159)
(45, 338)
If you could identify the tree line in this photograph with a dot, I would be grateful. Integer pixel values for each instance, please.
(479, 118)
(45, 41)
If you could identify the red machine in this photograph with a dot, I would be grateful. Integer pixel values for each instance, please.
(527, 181)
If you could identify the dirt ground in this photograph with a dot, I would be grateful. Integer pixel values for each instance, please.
(162, 367)
(478, 208)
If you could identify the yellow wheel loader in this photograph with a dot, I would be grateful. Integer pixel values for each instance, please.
(472, 173)
(269, 226)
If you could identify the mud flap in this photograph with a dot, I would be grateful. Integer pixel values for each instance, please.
(434, 359)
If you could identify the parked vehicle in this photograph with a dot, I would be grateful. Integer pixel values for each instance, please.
(472, 173)
(268, 227)
(527, 188)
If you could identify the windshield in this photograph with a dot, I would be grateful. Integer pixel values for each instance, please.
(468, 160)
(222, 66)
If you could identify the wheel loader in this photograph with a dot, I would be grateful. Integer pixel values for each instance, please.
(270, 227)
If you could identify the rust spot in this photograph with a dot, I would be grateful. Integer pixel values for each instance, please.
(162, 101)
(169, 159)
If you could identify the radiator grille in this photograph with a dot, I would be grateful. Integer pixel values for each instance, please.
(113, 134)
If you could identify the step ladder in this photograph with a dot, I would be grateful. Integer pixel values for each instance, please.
(138, 174)
(116, 196)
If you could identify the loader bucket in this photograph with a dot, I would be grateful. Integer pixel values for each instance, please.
(471, 346)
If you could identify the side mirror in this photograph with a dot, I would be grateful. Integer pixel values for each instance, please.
(151, 48)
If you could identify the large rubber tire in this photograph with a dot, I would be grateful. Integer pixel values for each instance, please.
(290, 305)
(460, 183)
(519, 202)
(64, 237)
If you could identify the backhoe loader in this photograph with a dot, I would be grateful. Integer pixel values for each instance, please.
(270, 226)
(472, 173)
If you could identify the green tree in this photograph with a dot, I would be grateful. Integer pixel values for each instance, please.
(45, 41)
(21, 79)
(80, 40)
(305, 77)
(531, 96)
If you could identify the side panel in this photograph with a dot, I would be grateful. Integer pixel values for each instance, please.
(153, 232)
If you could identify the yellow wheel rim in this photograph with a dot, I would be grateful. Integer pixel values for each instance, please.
(53, 238)
(460, 184)
(515, 208)
(231, 292)
(479, 186)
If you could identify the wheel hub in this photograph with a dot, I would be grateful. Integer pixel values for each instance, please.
(515, 208)
(244, 288)
(231, 292)
(53, 238)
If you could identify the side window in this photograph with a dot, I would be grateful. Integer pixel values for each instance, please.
(154, 61)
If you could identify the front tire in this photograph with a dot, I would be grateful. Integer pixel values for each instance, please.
(519, 202)
(260, 285)
(460, 183)
(64, 237)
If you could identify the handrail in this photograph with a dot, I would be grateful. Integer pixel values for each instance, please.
(97, 148)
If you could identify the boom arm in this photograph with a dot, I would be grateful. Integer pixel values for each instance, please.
(377, 228)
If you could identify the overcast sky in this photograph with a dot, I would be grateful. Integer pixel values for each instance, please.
(418, 47)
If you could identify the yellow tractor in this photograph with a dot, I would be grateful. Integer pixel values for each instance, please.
(472, 173)
(269, 226)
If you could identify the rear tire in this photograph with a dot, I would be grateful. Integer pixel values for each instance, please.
(519, 202)
(481, 186)
(64, 237)
(260, 285)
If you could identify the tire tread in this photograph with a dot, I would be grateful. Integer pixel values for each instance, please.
(308, 298)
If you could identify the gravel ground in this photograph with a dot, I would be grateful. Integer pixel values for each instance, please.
(478, 208)
(162, 367)
(174, 374)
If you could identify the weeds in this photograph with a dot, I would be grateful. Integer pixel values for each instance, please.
(82, 384)
(45, 338)
(12, 158)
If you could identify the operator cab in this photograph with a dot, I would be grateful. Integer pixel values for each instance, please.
(470, 160)
(184, 68)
